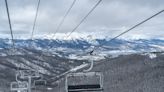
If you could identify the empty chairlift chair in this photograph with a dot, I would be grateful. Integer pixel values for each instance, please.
(84, 82)
(19, 86)
(23, 75)
(40, 83)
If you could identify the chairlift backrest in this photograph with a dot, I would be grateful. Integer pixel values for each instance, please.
(40, 82)
(23, 75)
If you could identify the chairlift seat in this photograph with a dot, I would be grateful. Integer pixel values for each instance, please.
(83, 86)
(77, 88)
(84, 82)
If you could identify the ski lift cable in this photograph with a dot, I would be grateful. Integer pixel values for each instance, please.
(10, 25)
(8, 14)
(63, 19)
(11, 31)
(73, 3)
(60, 24)
(34, 23)
(126, 31)
(80, 24)
(68, 13)
(123, 34)
(36, 15)
(84, 18)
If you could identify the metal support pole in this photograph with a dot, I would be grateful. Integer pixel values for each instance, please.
(91, 64)
(29, 85)
(66, 83)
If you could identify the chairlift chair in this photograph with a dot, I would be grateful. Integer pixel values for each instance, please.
(23, 75)
(84, 82)
(19, 86)
(40, 82)
(40, 85)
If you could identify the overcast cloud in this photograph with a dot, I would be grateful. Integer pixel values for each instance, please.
(109, 19)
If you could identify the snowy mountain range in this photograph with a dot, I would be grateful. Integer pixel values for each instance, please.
(83, 44)
(76, 47)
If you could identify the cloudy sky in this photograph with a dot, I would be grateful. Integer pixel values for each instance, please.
(109, 19)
